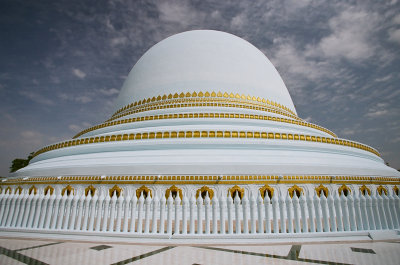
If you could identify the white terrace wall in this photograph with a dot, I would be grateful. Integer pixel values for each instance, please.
(220, 215)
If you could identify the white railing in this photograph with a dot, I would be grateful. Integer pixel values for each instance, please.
(190, 216)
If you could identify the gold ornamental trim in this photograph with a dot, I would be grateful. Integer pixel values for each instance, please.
(195, 115)
(364, 190)
(146, 192)
(345, 190)
(396, 190)
(116, 189)
(266, 190)
(90, 190)
(236, 189)
(204, 96)
(49, 188)
(32, 189)
(173, 191)
(207, 134)
(295, 190)
(69, 190)
(203, 190)
(322, 188)
(382, 189)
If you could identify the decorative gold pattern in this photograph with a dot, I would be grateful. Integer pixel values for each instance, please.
(396, 190)
(174, 191)
(18, 190)
(236, 189)
(295, 190)
(207, 134)
(381, 189)
(364, 189)
(34, 189)
(8, 190)
(47, 189)
(208, 116)
(202, 192)
(68, 189)
(322, 188)
(117, 190)
(266, 189)
(199, 96)
(345, 190)
(90, 190)
(146, 191)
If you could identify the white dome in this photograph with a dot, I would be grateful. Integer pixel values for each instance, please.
(204, 60)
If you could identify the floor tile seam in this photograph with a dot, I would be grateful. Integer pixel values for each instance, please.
(142, 256)
(39, 246)
(20, 257)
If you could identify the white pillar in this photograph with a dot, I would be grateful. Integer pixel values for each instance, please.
(222, 209)
(275, 216)
(296, 208)
(147, 214)
(133, 213)
(350, 203)
(214, 214)
(67, 211)
(93, 203)
(163, 201)
(177, 215)
(185, 204)
(86, 213)
(44, 211)
(375, 210)
(229, 204)
(106, 211)
(303, 210)
(207, 213)
(127, 201)
(100, 210)
(338, 210)
(317, 212)
(392, 205)
(192, 206)
(370, 211)
(289, 210)
(332, 214)
(364, 212)
(260, 214)
(381, 210)
(237, 214)
(156, 203)
(245, 207)
(357, 209)
(170, 202)
(140, 214)
(49, 214)
(282, 211)
(73, 211)
(199, 215)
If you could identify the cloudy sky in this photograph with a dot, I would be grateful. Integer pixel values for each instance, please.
(62, 63)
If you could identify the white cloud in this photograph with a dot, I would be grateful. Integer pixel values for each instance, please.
(394, 35)
(379, 110)
(78, 73)
(37, 97)
(178, 12)
(109, 92)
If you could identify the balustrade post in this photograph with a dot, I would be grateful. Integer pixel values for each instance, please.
(282, 211)
(17, 209)
(185, 203)
(253, 219)
(22, 211)
(296, 207)
(61, 211)
(325, 214)
(140, 214)
(6, 207)
(133, 214)
(317, 212)
(236, 201)
(245, 208)
(214, 214)
(332, 213)
(338, 209)
(92, 211)
(67, 211)
(371, 217)
(11, 209)
(392, 205)
(55, 217)
(364, 212)
(222, 209)
(397, 206)
(377, 217)
(289, 206)
(120, 202)
(303, 208)
(381, 210)
(32, 211)
(275, 206)
(207, 213)
(177, 215)
(99, 212)
(155, 203)
(50, 210)
(113, 210)
(386, 209)
(260, 216)
(229, 204)
(106, 211)
(86, 213)
(345, 211)
(357, 209)
(127, 200)
(199, 215)
(170, 201)
(350, 203)
(192, 206)
(3, 199)
(163, 201)
(44, 211)
(147, 214)
(73, 210)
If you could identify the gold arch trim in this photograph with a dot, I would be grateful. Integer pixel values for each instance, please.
(200, 191)
(208, 116)
(381, 189)
(68, 189)
(173, 188)
(206, 96)
(32, 189)
(396, 190)
(18, 190)
(266, 189)
(364, 189)
(207, 134)
(116, 189)
(90, 190)
(322, 188)
(295, 189)
(8, 190)
(343, 189)
(146, 192)
(236, 189)
(47, 189)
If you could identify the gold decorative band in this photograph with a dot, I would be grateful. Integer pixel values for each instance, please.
(205, 179)
(205, 115)
(206, 134)
(206, 97)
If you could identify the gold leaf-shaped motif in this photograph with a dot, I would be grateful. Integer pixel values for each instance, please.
(182, 95)
(219, 94)
(188, 94)
(237, 96)
(201, 94)
(194, 94)
(213, 94)
(164, 97)
(226, 95)
(207, 94)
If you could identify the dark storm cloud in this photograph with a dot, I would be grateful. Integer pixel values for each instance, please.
(63, 62)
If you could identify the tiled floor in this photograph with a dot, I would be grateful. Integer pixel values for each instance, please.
(20, 251)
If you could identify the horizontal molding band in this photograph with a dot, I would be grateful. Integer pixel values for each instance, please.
(210, 102)
(206, 134)
(194, 115)
(206, 95)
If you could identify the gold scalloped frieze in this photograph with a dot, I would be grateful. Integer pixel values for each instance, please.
(295, 190)
(344, 189)
(236, 190)
(68, 189)
(364, 190)
(90, 190)
(116, 189)
(266, 189)
(32, 189)
(173, 191)
(322, 188)
(202, 192)
(47, 189)
(145, 190)
(381, 189)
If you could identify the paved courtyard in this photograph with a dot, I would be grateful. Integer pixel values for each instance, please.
(28, 251)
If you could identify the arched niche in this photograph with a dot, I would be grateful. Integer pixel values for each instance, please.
(8, 190)
(68, 190)
(364, 190)
(396, 190)
(116, 189)
(295, 190)
(322, 189)
(267, 190)
(381, 189)
(174, 191)
(32, 189)
(203, 191)
(48, 189)
(18, 190)
(145, 190)
(236, 190)
(90, 190)
(345, 190)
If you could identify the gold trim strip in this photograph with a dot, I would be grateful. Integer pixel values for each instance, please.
(184, 103)
(240, 98)
(194, 115)
(206, 134)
